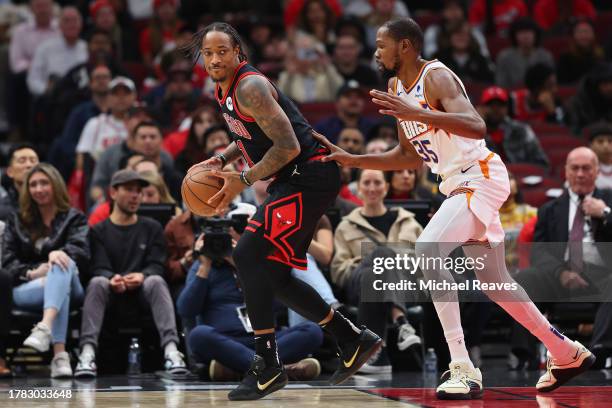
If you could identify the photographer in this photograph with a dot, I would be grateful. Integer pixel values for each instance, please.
(212, 293)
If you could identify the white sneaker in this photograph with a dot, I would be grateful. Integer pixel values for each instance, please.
(175, 363)
(407, 337)
(558, 374)
(40, 338)
(86, 366)
(60, 366)
(461, 382)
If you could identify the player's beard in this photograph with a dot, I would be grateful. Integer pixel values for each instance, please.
(390, 72)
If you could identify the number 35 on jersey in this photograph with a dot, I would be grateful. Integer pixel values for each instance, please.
(412, 130)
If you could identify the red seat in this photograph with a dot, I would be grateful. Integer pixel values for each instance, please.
(557, 158)
(496, 44)
(544, 129)
(520, 170)
(560, 142)
(314, 112)
(565, 92)
(546, 183)
(427, 19)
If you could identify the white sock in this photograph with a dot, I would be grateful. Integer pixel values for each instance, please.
(169, 348)
(450, 318)
(88, 349)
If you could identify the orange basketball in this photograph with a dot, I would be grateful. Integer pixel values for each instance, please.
(197, 188)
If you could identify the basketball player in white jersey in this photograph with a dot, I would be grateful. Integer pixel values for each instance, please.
(438, 125)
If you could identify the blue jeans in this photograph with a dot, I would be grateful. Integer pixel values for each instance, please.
(56, 290)
(237, 352)
(314, 277)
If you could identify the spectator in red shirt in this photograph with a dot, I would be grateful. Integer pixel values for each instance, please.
(201, 120)
(498, 19)
(161, 34)
(556, 15)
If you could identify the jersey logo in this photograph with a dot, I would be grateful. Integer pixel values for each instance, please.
(236, 126)
(414, 129)
(229, 103)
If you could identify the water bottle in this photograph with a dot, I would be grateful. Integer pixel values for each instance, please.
(134, 357)
(431, 362)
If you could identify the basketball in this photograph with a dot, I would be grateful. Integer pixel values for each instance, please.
(197, 188)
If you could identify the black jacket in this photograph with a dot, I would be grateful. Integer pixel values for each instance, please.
(552, 228)
(69, 232)
(9, 197)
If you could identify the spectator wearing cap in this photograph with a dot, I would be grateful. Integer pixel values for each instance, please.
(350, 104)
(512, 62)
(160, 35)
(514, 141)
(584, 52)
(593, 100)
(555, 16)
(346, 59)
(600, 136)
(56, 56)
(309, 74)
(126, 271)
(45, 247)
(106, 129)
(539, 99)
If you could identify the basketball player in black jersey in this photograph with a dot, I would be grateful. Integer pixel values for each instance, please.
(276, 141)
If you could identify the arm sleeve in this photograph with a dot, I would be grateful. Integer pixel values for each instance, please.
(193, 297)
(100, 261)
(18, 61)
(85, 141)
(156, 252)
(38, 75)
(77, 243)
(343, 261)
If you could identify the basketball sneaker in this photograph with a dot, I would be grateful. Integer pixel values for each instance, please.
(461, 382)
(558, 374)
(354, 354)
(259, 381)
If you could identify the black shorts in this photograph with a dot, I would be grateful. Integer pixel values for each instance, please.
(289, 216)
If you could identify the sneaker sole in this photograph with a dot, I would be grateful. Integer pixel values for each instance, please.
(84, 374)
(36, 346)
(361, 360)
(366, 369)
(452, 396)
(406, 345)
(272, 388)
(567, 374)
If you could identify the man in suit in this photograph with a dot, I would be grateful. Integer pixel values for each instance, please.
(569, 263)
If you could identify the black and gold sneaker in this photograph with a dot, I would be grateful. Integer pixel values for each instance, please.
(259, 381)
(355, 354)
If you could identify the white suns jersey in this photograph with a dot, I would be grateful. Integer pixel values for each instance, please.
(445, 153)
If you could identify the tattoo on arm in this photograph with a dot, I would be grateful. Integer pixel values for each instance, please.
(232, 152)
(255, 98)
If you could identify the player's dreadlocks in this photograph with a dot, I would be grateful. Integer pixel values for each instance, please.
(193, 49)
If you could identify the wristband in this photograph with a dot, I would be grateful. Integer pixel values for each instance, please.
(244, 179)
(222, 157)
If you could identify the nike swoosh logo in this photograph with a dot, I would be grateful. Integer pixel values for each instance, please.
(266, 385)
(463, 171)
(352, 360)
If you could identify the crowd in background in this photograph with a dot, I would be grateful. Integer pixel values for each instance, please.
(102, 112)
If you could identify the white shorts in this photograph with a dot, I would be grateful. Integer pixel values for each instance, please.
(486, 186)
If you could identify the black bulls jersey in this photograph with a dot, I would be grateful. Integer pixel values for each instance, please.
(250, 139)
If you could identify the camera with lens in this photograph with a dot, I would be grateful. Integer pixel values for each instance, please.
(217, 238)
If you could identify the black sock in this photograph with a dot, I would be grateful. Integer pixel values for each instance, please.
(401, 319)
(265, 346)
(342, 328)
